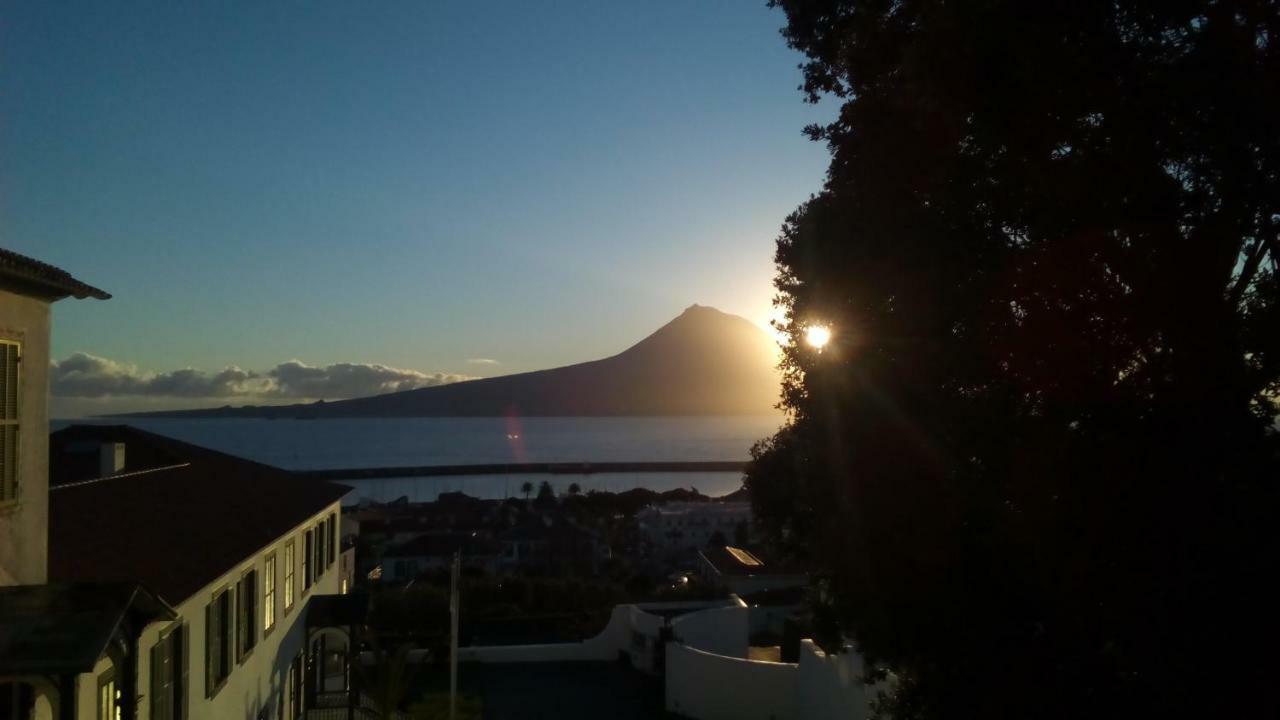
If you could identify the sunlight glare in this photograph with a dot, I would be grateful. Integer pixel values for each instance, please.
(817, 336)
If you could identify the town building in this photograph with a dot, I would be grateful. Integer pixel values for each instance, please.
(435, 552)
(152, 578)
(27, 289)
(743, 572)
(236, 548)
(678, 528)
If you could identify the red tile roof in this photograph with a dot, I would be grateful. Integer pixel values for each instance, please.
(174, 529)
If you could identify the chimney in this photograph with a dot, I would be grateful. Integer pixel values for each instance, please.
(110, 458)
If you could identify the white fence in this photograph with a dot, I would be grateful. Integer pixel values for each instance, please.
(632, 629)
(708, 674)
(708, 686)
(723, 630)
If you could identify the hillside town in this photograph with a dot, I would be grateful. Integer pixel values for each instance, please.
(146, 577)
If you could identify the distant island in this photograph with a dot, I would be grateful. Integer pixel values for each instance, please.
(704, 362)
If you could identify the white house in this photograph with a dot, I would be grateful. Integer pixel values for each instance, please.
(236, 548)
(152, 578)
(681, 527)
(27, 288)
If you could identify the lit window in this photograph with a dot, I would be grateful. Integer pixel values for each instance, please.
(108, 697)
(269, 593)
(10, 353)
(288, 575)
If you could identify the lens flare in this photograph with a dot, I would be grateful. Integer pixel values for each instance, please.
(817, 336)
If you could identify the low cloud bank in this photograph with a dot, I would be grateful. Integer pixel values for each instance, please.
(82, 375)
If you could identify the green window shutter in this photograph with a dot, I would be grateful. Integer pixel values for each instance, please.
(157, 707)
(9, 401)
(181, 667)
(211, 636)
(250, 614)
(333, 538)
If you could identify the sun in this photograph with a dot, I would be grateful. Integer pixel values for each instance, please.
(817, 336)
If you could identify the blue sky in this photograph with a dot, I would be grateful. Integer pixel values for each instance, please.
(415, 185)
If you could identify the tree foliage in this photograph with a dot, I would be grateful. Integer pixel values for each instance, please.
(1037, 464)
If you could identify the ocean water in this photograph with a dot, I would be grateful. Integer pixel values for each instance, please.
(382, 442)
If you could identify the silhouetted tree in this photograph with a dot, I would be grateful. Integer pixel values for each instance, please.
(1036, 465)
(575, 489)
(546, 494)
(387, 681)
(527, 488)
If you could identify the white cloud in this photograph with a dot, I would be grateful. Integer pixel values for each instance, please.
(483, 361)
(82, 375)
(85, 375)
(296, 379)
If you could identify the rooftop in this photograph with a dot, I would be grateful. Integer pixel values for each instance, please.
(735, 561)
(65, 628)
(31, 277)
(175, 519)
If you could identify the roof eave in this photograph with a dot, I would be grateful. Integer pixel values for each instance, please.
(51, 291)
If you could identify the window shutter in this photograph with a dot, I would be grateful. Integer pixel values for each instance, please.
(251, 610)
(9, 381)
(242, 643)
(211, 639)
(157, 683)
(333, 538)
(229, 631)
(181, 667)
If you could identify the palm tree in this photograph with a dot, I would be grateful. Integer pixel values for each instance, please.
(527, 489)
(385, 684)
(546, 493)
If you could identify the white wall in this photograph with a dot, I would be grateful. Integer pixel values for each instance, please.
(257, 682)
(830, 686)
(603, 647)
(24, 525)
(617, 637)
(706, 686)
(724, 631)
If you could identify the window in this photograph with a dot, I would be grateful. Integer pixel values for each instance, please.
(108, 697)
(318, 565)
(168, 676)
(217, 626)
(288, 575)
(268, 594)
(333, 537)
(308, 552)
(295, 688)
(246, 615)
(10, 355)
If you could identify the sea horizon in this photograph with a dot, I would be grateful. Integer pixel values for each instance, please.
(347, 443)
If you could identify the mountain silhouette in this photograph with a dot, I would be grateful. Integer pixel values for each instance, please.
(704, 362)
